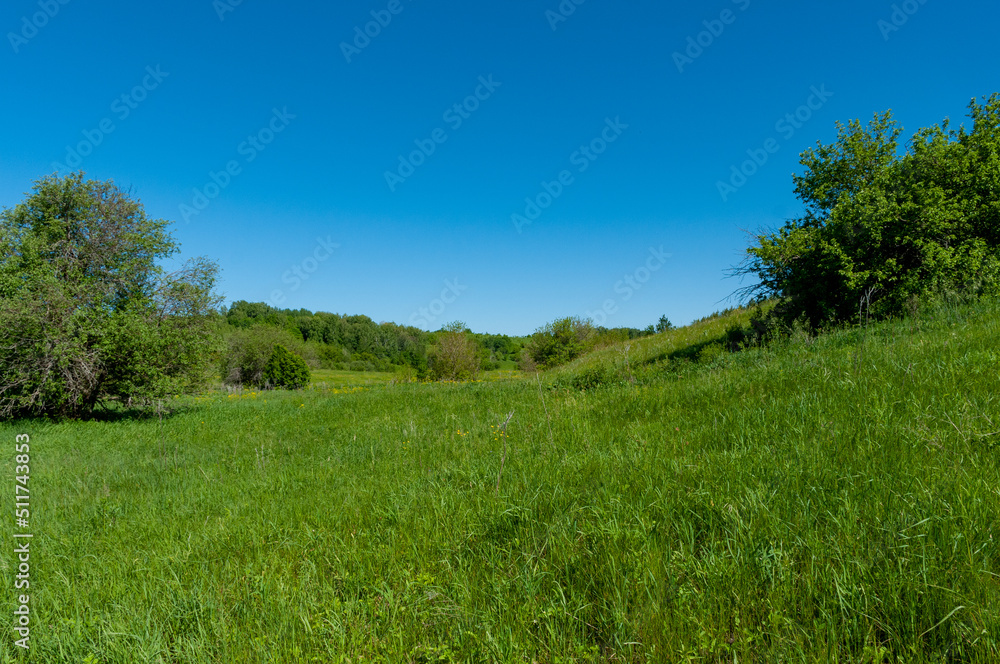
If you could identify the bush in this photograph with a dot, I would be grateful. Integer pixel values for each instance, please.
(561, 341)
(593, 377)
(883, 229)
(456, 356)
(285, 370)
(525, 363)
(710, 353)
(248, 352)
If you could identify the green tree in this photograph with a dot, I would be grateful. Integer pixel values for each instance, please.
(285, 370)
(87, 315)
(457, 356)
(883, 229)
(560, 341)
(664, 324)
(248, 351)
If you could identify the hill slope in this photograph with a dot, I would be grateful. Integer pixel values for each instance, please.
(830, 499)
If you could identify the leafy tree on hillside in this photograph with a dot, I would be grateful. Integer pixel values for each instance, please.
(560, 341)
(883, 229)
(664, 324)
(87, 316)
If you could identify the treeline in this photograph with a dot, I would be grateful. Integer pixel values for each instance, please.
(357, 343)
(353, 342)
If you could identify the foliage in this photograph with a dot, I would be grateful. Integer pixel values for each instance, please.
(87, 316)
(664, 325)
(285, 370)
(249, 350)
(881, 230)
(456, 356)
(593, 377)
(604, 336)
(560, 341)
(359, 343)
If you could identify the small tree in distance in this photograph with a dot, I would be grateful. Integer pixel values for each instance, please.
(286, 370)
(560, 341)
(457, 354)
(664, 324)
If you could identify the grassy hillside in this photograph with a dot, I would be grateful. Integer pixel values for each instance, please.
(700, 342)
(830, 500)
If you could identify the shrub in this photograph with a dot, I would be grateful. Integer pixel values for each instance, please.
(525, 363)
(710, 352)
(248, 352)
(285, 370)
(736, 338)
(456, 356)
(882, 229)
(561, 341)
(593, 377)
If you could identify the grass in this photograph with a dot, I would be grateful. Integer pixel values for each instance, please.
(820, 500)
(328, 378)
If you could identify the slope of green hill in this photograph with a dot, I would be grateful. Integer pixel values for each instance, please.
(828, 499)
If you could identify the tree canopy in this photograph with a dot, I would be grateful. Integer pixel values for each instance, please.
(884, 228)
(88, 316)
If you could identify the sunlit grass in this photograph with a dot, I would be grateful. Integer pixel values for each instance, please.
(820, 500)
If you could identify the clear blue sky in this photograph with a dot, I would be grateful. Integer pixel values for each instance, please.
(225, 73)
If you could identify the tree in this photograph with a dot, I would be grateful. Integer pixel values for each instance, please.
(885, 229)
(457, 354)
(248, 351)
(664, 324)
(87, 315)
(560, 341)
(285, 370)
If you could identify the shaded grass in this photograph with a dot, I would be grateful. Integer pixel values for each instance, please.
(829, 499)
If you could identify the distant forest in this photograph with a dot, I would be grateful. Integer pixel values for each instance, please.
(357, 343)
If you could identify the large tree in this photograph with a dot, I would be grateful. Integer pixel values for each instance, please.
(883, 228)
(88, 315)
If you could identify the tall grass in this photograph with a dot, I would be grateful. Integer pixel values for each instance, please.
(813, 501)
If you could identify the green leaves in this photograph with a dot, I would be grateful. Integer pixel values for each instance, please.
(87, 315)
(901, 226)
(285, 370)
(560, 341)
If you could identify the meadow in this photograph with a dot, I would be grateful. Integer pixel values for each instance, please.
(820, 499)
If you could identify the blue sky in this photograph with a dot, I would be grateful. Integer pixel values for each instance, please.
(584, 109)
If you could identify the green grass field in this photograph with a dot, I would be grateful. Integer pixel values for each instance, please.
(820, 500)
